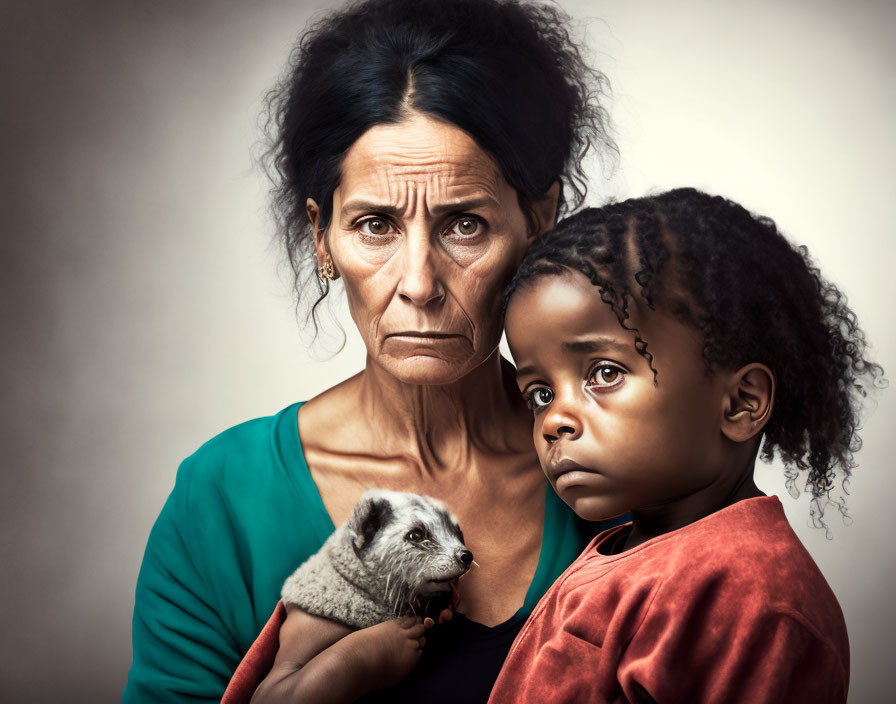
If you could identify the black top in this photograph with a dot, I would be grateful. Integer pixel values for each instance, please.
(460, 663)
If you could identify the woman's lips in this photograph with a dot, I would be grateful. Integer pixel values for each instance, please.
(424, 333)
(424, 337)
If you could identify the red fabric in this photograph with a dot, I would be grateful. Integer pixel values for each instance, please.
(728, 609)
(257, 662)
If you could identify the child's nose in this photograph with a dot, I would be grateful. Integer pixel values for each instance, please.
(560, 424)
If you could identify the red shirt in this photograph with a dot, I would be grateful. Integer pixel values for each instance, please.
(728, 609)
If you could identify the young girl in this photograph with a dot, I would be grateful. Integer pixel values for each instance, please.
(658, 341)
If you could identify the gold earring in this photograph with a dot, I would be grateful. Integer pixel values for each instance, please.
(327, 271)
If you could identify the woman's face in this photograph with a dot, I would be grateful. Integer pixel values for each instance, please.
(425, 234)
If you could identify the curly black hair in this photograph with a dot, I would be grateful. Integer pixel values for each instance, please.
(754, 297)
(505, 71)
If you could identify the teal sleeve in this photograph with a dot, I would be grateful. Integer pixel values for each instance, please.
(243, 514)
(183, 651)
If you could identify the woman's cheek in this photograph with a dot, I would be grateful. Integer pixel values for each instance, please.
(466, 254)
(374, 252)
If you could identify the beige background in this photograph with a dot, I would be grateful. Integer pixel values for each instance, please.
(144, 308)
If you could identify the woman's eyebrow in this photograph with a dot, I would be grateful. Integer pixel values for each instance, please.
(462, 205)
(368, 206)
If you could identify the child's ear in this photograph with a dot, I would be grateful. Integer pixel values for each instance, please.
(748, 401)
(544, 211)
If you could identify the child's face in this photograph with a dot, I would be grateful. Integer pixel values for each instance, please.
(609, 440)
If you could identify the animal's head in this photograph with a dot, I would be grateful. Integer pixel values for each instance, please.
(412, 542)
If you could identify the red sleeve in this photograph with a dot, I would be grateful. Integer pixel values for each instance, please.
(257, 662)
(712, 639)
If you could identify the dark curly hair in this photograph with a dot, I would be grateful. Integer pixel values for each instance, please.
(754, 297)
(504, 71)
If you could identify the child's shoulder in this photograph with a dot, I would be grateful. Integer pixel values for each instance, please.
(749, 540)
(747, 553)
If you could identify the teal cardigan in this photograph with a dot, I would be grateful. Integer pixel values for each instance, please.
(244, 513)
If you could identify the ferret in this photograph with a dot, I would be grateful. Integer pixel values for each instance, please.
(396, 553)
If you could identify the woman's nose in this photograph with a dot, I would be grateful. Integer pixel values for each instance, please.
(560, 423)
(420, 283)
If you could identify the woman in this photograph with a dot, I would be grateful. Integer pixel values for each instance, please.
(422, 145)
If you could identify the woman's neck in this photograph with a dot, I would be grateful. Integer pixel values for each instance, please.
(443, 426)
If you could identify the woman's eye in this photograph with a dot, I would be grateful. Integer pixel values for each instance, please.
(375, 227)
(466, 227)
(539, 397)
(606, 375)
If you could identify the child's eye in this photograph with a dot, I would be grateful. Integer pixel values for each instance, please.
(538, 397)
(605, 375)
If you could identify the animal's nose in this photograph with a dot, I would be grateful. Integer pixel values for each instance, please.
(466, 557)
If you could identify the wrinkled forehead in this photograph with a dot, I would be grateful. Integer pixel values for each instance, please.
(423, 155)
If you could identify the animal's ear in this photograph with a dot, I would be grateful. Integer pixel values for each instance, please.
(371, 514)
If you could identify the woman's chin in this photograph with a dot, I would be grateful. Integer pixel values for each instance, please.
(425, 370)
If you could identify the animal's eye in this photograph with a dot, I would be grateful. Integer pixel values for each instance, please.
(415, 535)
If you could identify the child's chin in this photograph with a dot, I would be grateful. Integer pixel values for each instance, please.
(592, 508)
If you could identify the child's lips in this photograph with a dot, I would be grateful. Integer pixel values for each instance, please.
(565, 466)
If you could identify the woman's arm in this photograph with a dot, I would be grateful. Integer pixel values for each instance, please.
(326, 662)
(182, 649)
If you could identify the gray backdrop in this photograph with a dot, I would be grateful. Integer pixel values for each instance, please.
(144, 307)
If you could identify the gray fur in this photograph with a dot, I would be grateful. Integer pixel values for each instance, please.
(369, 571)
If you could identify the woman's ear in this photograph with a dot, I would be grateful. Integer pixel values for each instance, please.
(320, 240)
(748, 401)
(544, 212)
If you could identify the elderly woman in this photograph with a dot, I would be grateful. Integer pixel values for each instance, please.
(422, 145)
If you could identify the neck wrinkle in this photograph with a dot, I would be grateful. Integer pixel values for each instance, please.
(443, 426)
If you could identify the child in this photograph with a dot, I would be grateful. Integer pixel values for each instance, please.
(657, 341)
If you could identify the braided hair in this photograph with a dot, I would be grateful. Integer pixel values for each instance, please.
(753, 296)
